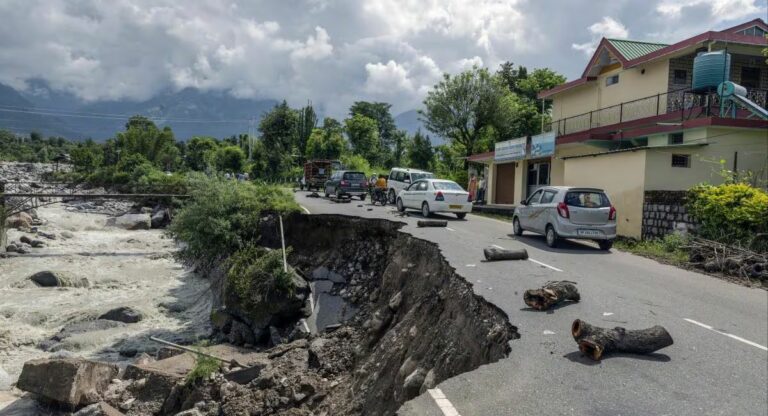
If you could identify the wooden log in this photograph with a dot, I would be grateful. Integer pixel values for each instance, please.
(596, 342)
(432, 223)
(551, 294)
(496, 254)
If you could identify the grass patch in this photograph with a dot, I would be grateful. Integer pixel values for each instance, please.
(204, 366)
(670, 249)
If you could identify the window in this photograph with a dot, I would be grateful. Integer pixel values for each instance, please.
(354, 176)
(423, 175)
(534, 199)
(548, 197)
(680, 76)
(681, 161)
(613, 79)
(750, 77)
(587, 199)
(422, 186)
(752, 31)
(447, 186)
(400, 176)
(675, 138)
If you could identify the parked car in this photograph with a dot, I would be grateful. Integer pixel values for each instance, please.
(568, 212)
(401, 178)
(435, 195)
(347, 183)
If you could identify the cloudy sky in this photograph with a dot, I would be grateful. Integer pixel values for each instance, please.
(329, 51)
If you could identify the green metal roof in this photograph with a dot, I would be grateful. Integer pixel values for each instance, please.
(632, 49)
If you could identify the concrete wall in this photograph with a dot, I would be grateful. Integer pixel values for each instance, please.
(721, 144)
(639, 82)
(620, 175)
(575, 101)
(664, 212)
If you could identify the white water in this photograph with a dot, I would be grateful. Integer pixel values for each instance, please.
(125, 268)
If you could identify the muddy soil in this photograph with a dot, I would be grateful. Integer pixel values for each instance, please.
(124, 268)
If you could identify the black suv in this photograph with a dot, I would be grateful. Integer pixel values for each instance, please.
(347, 183)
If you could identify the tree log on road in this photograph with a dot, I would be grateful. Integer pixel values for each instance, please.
(495, 254)
(432, 223)
(596, 342)
(551, 294)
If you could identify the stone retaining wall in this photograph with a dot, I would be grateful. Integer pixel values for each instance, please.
(664, 212)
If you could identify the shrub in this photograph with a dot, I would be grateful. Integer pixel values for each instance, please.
(256, 274)
(731, 213)
(204, 366)
(221, 217)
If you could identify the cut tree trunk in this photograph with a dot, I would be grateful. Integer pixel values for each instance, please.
(432, 223)
(551, 294)
(596, 342)
(496, 254)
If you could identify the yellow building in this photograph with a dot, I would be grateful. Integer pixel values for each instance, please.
(633, 125)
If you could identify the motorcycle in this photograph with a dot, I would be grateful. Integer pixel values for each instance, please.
(378, 195)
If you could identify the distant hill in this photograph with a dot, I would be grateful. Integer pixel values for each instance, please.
(409, 121)
(189, 112)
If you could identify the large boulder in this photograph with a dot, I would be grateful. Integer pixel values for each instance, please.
(21, 220)
(98, 409)
(74, 333)
(124, 314)
(161, 219)
(49, 278)
(131, 222)
(69, 382)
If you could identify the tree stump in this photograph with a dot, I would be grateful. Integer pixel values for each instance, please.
(496, 254)
(432, 223)
(596, 342)
(551, 294)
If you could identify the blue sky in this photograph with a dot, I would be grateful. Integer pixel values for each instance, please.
(329, 51)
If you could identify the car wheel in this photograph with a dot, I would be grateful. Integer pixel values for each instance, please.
(400, 206)
(551, 236)
(362, 197)
(338, 193)
(518, 230)
(461, 215)
(391, 196)
(425, 210)
(326, 193)
(605, 244)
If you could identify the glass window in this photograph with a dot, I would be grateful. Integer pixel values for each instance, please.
(548, 197)
(750, 77)
(680, 76)
(447, 186)
(614, 79)
(400, 176)
(534, 199)
(421, 175)
(422, 186)
(681, 161)
(354, 176)
(587, 199)
(676, 138)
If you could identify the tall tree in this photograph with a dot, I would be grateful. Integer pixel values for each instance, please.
(196, 149)
(527, 86)
(380, 112)
(420, 151)
(278, 130)
(363, 135)
(399, 146)
(306, 124)
(467, 107)
(326, 142)
(141, 136)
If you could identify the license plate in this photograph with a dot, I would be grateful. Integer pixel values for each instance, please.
(455, 206)
(590, 233)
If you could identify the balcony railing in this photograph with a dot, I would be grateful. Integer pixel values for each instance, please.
(689, 104)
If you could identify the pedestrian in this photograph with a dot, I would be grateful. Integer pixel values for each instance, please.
(472, 187)
(481, 190)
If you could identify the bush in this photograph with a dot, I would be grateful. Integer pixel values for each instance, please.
(204, 366)
(222, 217)
(255, 274)
(731, 214)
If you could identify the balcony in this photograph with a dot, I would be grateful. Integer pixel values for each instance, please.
(679, 104)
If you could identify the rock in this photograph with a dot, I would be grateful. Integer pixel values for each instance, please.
(67, 234)
(131, 222)
(123, 314)
(21, 220)
(429, 381)
(240, 334)
(128, 352)
(22, 250)
(98, 409)
(56, 342)
(5, 380)
(25, 239)
(49, 236)
(190, 412)
(221, 321)
(394, 301)
(160, 376)
(274, 336)
(160, 219)
(48, 278)
(70, 382)
(37, 243)
(12, 248)
(413, 383)
(144, 358)
(319, 353)
(146, 210)
(168, 352)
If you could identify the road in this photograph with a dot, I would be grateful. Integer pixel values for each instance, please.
(718, 364)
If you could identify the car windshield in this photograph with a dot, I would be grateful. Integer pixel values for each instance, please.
(447, 186)
(415, 176)
(354, 176)
(587, 199)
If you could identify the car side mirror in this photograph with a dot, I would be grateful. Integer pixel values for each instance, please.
(523, 202)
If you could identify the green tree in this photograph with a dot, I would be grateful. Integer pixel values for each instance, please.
(420, 151)
(380, 112)
(467, 107)
(86, 158)
(307, 122)
(326, 142)
(196, 149)
(230, 159)
(363, 135)
(527, 86)
(400, 144)
(278, 130)
(141, 136)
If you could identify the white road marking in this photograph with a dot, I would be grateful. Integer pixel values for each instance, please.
(470, 265)
(499, 247)
(737, 338)
(305, 209)
(443, 403)
(548, 332)
(449, 229)
(545, 265)
(607, 313)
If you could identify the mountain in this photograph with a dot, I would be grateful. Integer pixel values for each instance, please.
(409, 121)
(19, 115)
(189, 112)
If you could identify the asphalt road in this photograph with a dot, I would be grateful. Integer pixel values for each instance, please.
(718, 364)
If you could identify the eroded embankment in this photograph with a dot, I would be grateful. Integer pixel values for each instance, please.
(418, 321)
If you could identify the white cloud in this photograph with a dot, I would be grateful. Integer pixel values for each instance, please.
(720, 10)
(606, 28)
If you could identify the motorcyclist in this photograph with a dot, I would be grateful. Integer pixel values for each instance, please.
(380, 188)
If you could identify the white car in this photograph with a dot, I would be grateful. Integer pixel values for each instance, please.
(401, 178)
(435, 195)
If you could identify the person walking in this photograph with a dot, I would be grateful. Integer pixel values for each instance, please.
(472, 188)
(481, 190)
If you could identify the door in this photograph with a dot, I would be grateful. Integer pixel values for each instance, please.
(505, 184)
(544, 209)
(415, 194)
(538, 175)
(527, 210)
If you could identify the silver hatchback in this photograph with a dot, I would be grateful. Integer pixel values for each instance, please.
(568, 212)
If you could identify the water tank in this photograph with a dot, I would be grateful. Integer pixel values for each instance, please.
(710, 69)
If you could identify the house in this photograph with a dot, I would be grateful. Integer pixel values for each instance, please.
(634, 125)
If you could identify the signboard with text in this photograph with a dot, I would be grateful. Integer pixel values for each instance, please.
(543, 145)
(510, 150)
